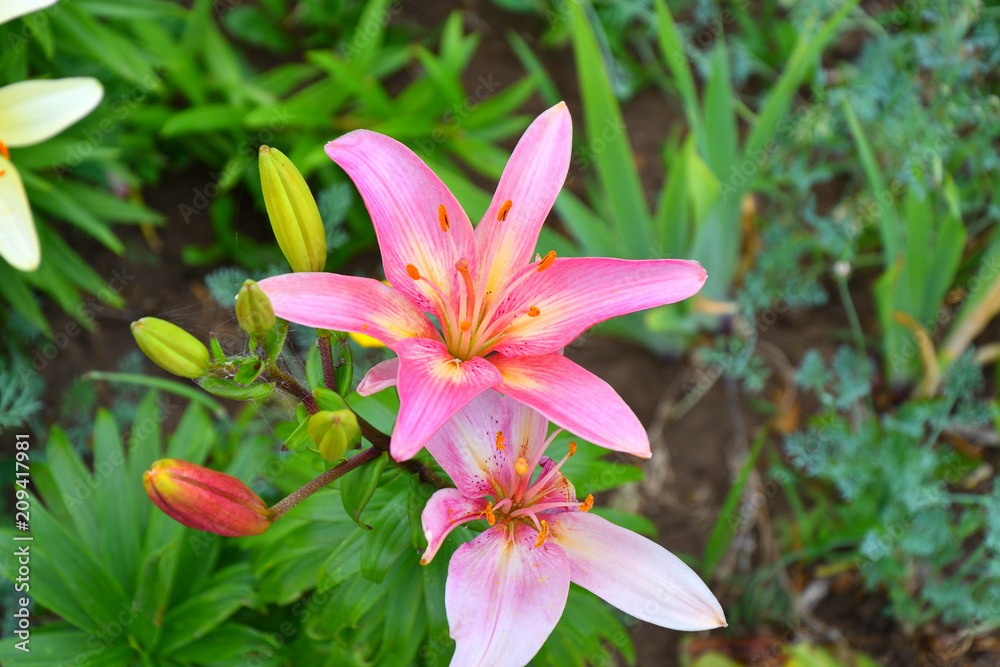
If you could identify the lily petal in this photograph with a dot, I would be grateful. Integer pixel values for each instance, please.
(403, 197)
(575, 399)
(531, 181)
(467, 445)
(34, 111)
(576, 293)
(382, 376)
(446, 510)
(504, 598)
(433, 386)
(11, 9)
(635, 574)
(18, 237)
(346, 303)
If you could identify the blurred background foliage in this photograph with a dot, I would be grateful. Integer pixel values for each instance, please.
(816, 156)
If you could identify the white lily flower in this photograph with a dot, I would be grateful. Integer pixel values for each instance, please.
(11, 9)
(30, 113)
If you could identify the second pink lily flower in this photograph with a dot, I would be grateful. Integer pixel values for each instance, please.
(502, 316)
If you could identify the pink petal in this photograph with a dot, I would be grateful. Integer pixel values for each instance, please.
(403, 195)
(575, 399)
(433, 385)
(635, 574)
(466, 446)
(576, 293)
(532, 179)
(446, 510)
(346, 303)
(381, 376)
(504, 598)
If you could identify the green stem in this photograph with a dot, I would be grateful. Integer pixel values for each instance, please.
(279, 509)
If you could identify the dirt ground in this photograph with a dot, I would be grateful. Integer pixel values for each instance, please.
(695, 457)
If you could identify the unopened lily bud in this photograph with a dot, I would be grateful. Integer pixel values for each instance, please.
(334, 431)
(292, 209)
(204, 499)
(171, 348)
(253, 309)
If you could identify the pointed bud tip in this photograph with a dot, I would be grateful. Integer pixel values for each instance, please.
(204, 499)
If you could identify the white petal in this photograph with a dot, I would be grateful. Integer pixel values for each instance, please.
(18, 238)
(504, 598)
(11, 9)
(33, 111)
(635, 574)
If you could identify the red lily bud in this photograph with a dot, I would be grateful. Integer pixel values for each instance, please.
(204, 499)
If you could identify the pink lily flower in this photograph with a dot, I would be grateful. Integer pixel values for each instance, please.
(507, 588)
(502, 318)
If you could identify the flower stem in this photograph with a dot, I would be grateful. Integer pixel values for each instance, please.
(326, 354)
(279, 509)
(381, 442)
(287, 383)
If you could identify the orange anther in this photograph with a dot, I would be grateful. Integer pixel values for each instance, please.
(501, 441)
(534, 312)
(521, 466)
(504, 210)
(547, 260)
(465, 325)
(490, 516)
(572, 448)
(587, 504)
(4, 151)
(443, 218)
(412, 272)
(542, 534)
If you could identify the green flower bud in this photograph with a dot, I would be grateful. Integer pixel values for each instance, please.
(294, 216)
(334, 431)
(253, 309)
(171, 348)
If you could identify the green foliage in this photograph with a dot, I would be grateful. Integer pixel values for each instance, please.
(901, 521)
(699, 211)
(131, 584)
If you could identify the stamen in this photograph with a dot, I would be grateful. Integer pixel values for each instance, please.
(547, 261)
(465, 325)
(500, 441)
(534, 312)
(412, 272)
(504, 210)
(538, 488)
(521, 467)
(4, 151)
(492, 518)
(443, 218)
(542, 534)
(587, 504)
